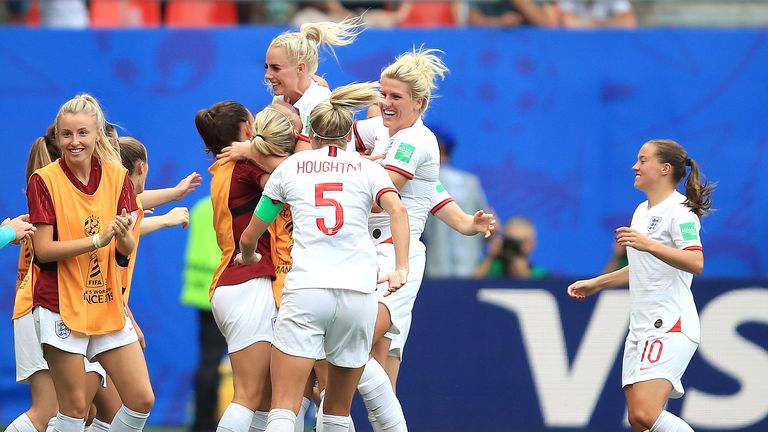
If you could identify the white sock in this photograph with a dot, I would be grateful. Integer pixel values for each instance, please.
(68, 424)
(21, 424)
(51, 423)
(236, 418)
(281, 420)
(98, 426)
(128, 420)
(299, 425)
(332, 423)
(380, 399)
(668, 422)
(259, 422)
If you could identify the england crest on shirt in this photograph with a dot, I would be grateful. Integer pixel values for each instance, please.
(654, 224)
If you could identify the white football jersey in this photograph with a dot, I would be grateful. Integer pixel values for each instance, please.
(412, 152)
(330, 193)
(311, 98)
(660, 295)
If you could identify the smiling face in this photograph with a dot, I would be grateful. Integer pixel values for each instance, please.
(399, 109)
(650, 173)
(76, 137)
(284, 77)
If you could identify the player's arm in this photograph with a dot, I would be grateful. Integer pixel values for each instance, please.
(139, 333)
(157, 197)
(582, 289)
(391, 203)
(177, 216)
(266, 212)
(452, 215)
(689, 259)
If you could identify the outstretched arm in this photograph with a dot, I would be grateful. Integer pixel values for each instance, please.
(480, 223)
(177, 216)
(158, 197)
(582, 289)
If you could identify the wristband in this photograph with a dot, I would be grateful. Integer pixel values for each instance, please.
(96, 241)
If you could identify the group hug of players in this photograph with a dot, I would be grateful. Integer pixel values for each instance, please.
(318, 217)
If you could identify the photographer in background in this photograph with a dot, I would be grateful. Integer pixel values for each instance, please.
(510, 255)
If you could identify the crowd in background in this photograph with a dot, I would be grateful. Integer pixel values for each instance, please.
(391, 14)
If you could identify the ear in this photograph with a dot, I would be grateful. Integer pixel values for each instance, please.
(302, 68)
(666, 169)
(141, 167)
(246, 129)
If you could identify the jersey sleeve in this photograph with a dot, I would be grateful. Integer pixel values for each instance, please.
(685, 229)
(127, 197)
(274, 188)
(405, 156)
(364, 133)
(39, 202)
(380, 181)
(440, 197)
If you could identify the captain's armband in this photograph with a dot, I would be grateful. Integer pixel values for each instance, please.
(267, 210)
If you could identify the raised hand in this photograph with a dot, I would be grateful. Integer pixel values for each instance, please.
(187, 185)
(628, 237)
(177, 216)
(484, 223)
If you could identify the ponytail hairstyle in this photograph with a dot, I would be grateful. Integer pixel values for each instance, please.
(132, 151)
(85, 103)
(43, 151)
(273, 132)
(303, 46)
(698, 191)
(332, 119)
(418, 69)
(219, 125)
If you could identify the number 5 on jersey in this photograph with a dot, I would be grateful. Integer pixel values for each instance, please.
(322, 201)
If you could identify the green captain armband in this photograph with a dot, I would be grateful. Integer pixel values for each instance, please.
(267, 210)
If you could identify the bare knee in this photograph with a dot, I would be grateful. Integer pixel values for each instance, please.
(141, 402)
(642, 417)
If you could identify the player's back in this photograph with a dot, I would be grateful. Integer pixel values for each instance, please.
(330, 193)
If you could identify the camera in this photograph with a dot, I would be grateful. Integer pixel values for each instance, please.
(511, 247)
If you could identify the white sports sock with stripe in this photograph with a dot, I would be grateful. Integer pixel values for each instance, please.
(21, 424)
(668, 422)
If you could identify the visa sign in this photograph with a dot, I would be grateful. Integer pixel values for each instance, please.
(569, 391)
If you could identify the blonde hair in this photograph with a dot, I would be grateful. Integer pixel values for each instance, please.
(85, 103)
(418, 69)
(273, 133)
(332, 119)
(303, 46)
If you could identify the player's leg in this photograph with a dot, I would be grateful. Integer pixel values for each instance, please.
(122, 357)
(32, 369)
(298, 341)
(244, 315)
(108, 403)
(347, 344)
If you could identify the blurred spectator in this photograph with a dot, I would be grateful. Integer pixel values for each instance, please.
(422, 13)
(376, 14)
(71, 14)
(597, 13)
(16, 11)
(512, 13)
(509, 255)
(450, 253)
(203, 257)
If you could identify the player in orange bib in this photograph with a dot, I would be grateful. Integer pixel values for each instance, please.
(81, 206)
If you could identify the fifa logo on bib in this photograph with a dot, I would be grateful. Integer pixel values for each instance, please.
(62, 331)
(654, 224)
(95, 276)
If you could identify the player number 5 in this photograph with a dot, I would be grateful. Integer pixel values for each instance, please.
(322, 201)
